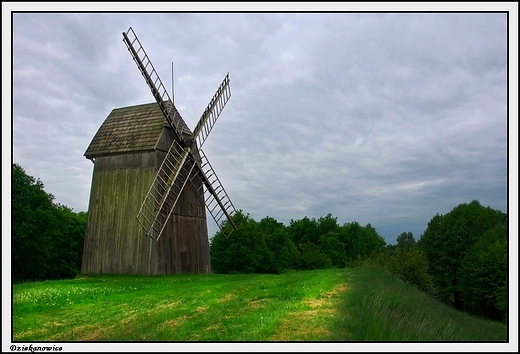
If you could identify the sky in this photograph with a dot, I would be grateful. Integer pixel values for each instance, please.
(380, 118)
(383, 118)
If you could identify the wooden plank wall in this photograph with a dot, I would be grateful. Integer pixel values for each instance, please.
(114, 240)
(184, 246)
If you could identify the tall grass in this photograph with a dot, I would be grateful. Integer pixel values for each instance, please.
(383, 308)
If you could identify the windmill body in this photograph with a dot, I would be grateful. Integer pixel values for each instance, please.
(127, 151)
(152, 178)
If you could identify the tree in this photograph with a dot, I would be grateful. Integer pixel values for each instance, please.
(326, 224)
(303, 231)
(312, 258)
(374, 242)
(279, 243)
(68, 244)
(360, 242)
(483, 274)
(31, 212)
(406, 261)
(332, 247)
(244, 251)
(47, 238)
(446, 240)
(405, 240)
(411, 265)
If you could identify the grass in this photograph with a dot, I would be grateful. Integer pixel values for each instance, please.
(361, 304)
(383, 308)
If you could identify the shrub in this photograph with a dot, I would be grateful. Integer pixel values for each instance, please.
(312, 258)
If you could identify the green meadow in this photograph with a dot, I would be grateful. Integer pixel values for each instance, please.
(348, 304)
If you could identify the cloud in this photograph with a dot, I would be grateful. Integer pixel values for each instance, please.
(381, 118)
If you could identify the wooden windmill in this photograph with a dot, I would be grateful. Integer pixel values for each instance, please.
(148, 152)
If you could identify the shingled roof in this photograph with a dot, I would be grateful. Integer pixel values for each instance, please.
(128, 129)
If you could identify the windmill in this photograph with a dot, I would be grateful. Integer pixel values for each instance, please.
(184, 155)
(151, 177)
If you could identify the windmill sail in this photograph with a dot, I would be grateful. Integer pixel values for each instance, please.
(211, 113)
(217, 200)
(156, 86)
(165, 190)
(179, 162)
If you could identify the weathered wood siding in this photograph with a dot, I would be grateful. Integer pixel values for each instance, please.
(114, 241)
(184, 247)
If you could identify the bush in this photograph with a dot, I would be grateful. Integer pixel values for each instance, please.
(312, 258)
(408, 264)
(411, 265)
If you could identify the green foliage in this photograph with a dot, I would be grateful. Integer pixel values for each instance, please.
(312, 258)
(279, 242)
(303, 231)
(330, 245)
(405, 240)
(327, 224)
(244, 251)
(483, 275)
(47, 238)
(411, 265)
(269, 246)
(406, 261)
(360, 241)
(31, 207)
(502, 300)
(446, 241)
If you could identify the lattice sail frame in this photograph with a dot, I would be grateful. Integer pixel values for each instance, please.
(179, 162)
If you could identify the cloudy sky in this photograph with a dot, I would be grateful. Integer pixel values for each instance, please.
(380, 118)
(383, 118)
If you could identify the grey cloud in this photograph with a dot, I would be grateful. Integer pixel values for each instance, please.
(380, 118)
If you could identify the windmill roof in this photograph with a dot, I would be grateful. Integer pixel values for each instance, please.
(128, 129)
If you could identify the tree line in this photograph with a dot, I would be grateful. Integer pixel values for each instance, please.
(46, 237)
(269, 246)
(460, 259)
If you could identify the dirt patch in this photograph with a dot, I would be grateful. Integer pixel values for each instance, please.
(338, 289)
(128, 319)
(315, 303)
(91, 336)
(310, 324)
(300, 326)
(312, 313)
(176, 322)
(201, 309)
(30, 333)
(212, 328)
(257, 303)
(167, 305)
(90, 333)
(228, 297)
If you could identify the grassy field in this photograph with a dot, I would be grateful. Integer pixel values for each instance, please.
(360, 304)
